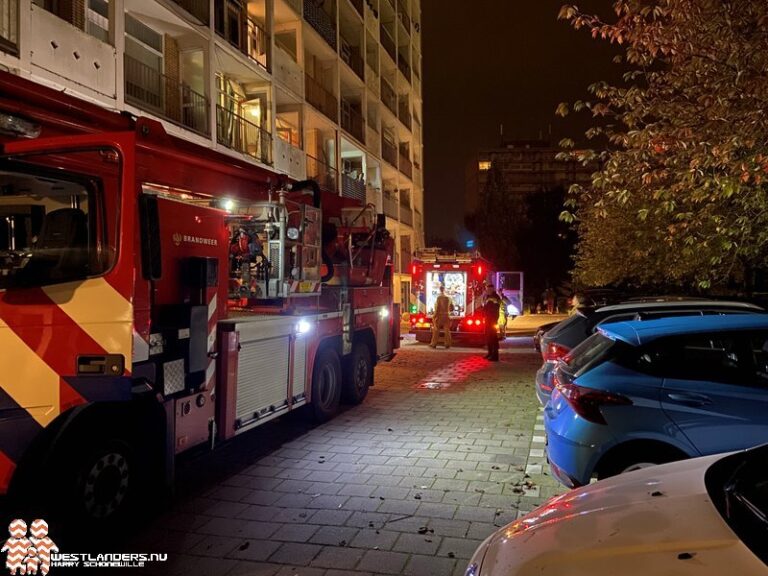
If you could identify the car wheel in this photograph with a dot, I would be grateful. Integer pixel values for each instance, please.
(358, 374)
(631, 461)
(326, 385)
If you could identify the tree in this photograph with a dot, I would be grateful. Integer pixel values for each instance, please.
(681, 196)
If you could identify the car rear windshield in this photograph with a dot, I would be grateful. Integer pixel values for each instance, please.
(570, 331)
(588, 354)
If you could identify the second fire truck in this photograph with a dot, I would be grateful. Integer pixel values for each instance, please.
(463, 275)
(156, 296)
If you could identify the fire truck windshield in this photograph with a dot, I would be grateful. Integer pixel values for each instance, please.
(58, 217)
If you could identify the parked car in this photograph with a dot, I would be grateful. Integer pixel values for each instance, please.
(701, 517)
(561, 339)
(641, 393)
(540, 331)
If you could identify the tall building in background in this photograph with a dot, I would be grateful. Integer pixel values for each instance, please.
(525, 166)
(321, 89)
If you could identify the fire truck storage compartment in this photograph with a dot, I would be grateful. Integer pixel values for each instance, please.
(269, 361)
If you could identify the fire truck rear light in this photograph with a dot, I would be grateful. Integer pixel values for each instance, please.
(18, 126)
(303, 327)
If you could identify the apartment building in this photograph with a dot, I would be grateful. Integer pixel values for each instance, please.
(322, 89)
(525, 167)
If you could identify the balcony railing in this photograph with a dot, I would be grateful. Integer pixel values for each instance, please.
(321, 21)
(389, 152)
(404, 67)
(404, 113)
(258, 44)
(9, 26)
(150, 90)
(390, 204)
(234, 131)
(406, 166)
(388, 42)
(388, 96)
(200, 9)
(320, 98)
(358, 4)
(402, 13)
(352, 188)
(351, 55)
(322, 173)
(352, 121)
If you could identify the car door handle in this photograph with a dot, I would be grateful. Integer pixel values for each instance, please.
(690, 399)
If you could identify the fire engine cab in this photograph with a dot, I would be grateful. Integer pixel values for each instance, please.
(156, 296)
(463, 275)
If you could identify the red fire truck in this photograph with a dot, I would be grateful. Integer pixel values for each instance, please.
(156, 296)
(463, 274)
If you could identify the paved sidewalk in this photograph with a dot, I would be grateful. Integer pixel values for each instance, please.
(446, 448)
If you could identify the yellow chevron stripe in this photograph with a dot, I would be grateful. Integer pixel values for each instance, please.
(100, 310)
(28, 380)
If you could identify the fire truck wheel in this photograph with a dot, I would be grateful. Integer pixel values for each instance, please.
(358, 374)
(101, 480)
(326, 385)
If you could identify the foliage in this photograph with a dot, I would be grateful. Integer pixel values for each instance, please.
(681, 194)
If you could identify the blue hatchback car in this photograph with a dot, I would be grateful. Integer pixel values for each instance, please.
(635, 394)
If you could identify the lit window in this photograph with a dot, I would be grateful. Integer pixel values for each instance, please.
(485, 165)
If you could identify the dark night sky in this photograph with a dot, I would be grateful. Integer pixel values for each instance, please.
(492, 62)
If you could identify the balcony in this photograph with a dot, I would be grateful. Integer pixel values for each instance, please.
(372, 79)
(322, 173)
(288, 71)
(406, 167)
(148, 89)
(9, 27)
(237, 133)
(200, 9)
(352, 121)
(243, 32)
(321, 99)
(388, 96)
(321, 21)
(402, 13)
(390, 204)
(389, 151)
(406, 215)
(351, 55)
(404, 67)
(352, 188)
(258, 44)
(404, 113)
(388, 42)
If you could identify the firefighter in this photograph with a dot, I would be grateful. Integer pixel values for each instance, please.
(441, 320)
(491, 308)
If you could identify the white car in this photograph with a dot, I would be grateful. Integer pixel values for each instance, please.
(704, 517)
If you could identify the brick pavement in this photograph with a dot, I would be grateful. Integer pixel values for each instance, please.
(446, 448)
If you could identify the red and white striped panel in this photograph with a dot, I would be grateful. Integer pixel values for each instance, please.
(213, 318)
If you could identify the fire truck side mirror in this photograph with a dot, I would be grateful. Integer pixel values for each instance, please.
(151, 258)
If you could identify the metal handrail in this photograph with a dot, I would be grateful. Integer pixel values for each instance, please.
(234, 131)
(388, 152)
(406, 166)
(352, 122)
(320, 98)
(322, 173)
(320, 21)
(388, 96)
(153, 91)
(200, 9)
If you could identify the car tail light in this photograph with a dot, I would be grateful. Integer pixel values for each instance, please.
(554, 352)
(586, 402)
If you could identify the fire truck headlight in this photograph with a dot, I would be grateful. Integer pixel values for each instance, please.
(303, 327)
(513, 310)
(384, 313)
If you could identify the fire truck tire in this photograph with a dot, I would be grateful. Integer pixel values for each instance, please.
(101, 479)
(326, 385)
(358, 374)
